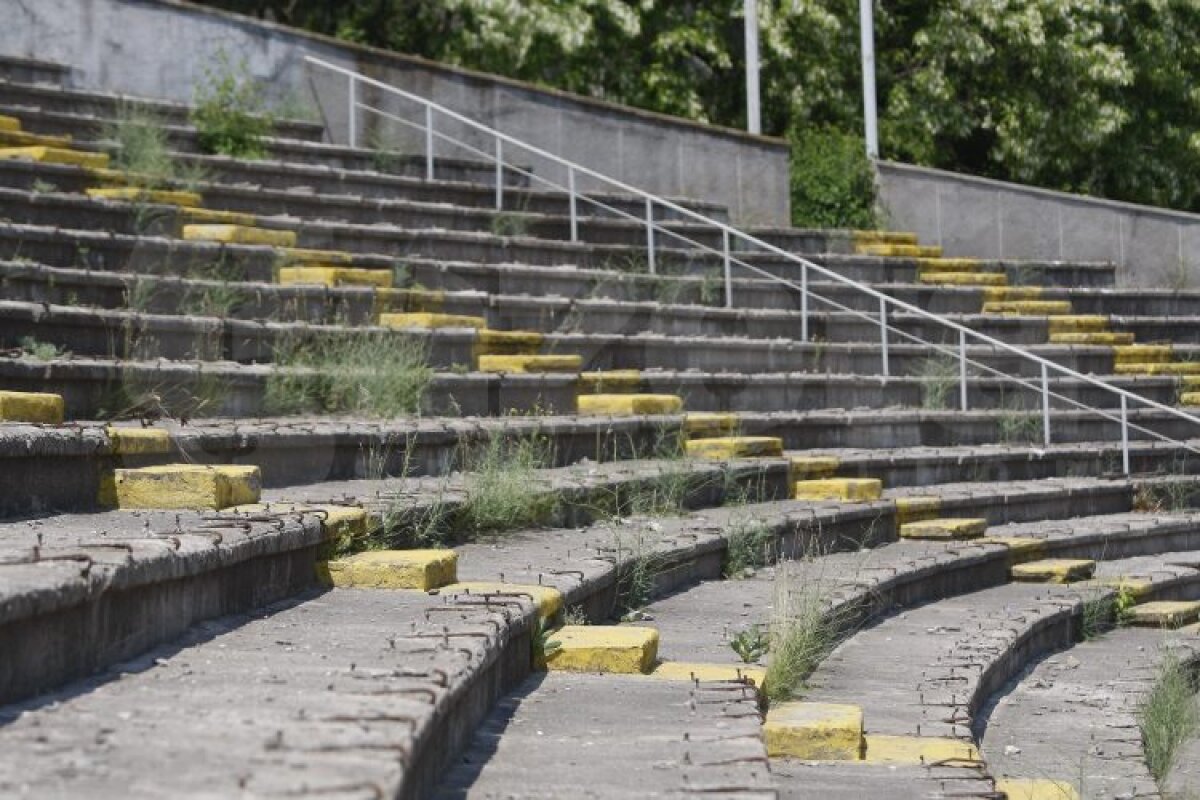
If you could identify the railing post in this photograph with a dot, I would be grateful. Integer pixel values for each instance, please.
(962, 369)
(499, 174)
(574, 213)
(428, 143)
(883, 337)
(1045, 406)
(352, 116)
(728, 268)
(804, 302)
(650, 234)
(1124, 436)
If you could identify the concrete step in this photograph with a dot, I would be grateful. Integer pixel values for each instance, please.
(19, 69)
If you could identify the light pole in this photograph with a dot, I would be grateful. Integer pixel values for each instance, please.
(753, 115)
(866, 18)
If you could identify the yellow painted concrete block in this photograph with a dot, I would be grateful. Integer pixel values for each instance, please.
(335, 276)
(423, 319)
(1095, 339)
(56, 155)
(1143, 354)
(884, 237)
(213, 216)
(408, 300)
(613, 380)
(1036, 789)
(547, 599)
(530, 363)
(1054, 570)
(955, 529)
(914, 508)
(1134, 587)
(853, 490)
(134, 194)
(1020, 549)
(695, 671)
(340, 523)
(734, 447)
(917, 750)
(25, 139)
(9, 123)
(604, 648)
(31, 407)
(813, 467)
(499, 343)
(139, 441)
(304, 255)
(1189, 399)
(1008, 294)
(814, 731)
(965, 278)
(706, 424)
(1078, 323)
(1172, 368)
(957, 265)
(238, 234)
(420, 570)
(629, 404)
(899, 250)
(1165, 613)
(172, 486)
(1030, 308)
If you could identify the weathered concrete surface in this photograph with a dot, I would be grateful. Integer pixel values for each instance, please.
(346, 694)
(804, 780)
(563, 735)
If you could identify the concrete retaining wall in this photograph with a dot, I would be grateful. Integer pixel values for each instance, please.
(970, 216)
(159, 48)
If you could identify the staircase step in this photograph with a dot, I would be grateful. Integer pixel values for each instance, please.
(425, 319)
(965, 278)
(9, 123)
(953, 265)
(610, 381)
(1054, 570)
(899, 250)
(1143, 354)
(1165, 613)
(24, 139)
(629, 404)
(603, 649)
(1160, 368)
(851, 490)
(209, 216)
(530, 363)
(1011, 294)
(418, 570)
(865, 237)
(708, 424)
(40, 407)
(735, 447)
(1078, 323)
(335, 276)
(133, 194)
(1032, 308)
(951, 529)
(56, 155)
(183, 486)
(1096, 338)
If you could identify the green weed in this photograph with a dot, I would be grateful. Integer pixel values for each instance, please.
(1167, 715)
(750, 644)
(228, 112)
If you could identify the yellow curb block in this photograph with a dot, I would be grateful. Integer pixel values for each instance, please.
(916, 508)
(629, 404)
(948, 530)
(133, 194)
(138, 441)
(814, 731)
(707, 424)
(530, 363)
(1011, 294)
(695, 671)
(32, 407)
(506, 343)
(965, 278)
(1134, 587)
(854, 490)
(9, 123)
(387, 300)
(426, 319)
(734, 447)
(1036, 789)
(624, 649)
(547, 599)
(1078, 323)
(56, 155)
(1172, 368)
(613, 380)
(238, 234)
(883, 237)
(340, 523)
(1143, 354)
(1030, 308)
(1189, 399)
(304, 255)
(959, 265)
(1165, 613)
(813, 467)
(1020, 549)
(420, 570)
(1054, 570)
(335, 276)
(218, 217)
(1097, 338)
(179, 486)
(899, 250)
(26, 139)
(917, 750)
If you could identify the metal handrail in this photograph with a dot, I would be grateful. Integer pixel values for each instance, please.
(729, 235)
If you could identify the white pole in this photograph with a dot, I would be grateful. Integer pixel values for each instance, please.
(866, 17)
(753, 115)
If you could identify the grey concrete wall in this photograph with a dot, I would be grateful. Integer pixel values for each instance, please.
(159, 48)
(970, 216)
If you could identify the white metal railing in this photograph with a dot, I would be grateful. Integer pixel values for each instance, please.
(503, 143)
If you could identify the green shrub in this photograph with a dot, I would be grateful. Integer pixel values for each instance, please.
(833, 182)
(229, 115)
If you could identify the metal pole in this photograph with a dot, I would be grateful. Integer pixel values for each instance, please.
(1045, 406)
(883, 337)
(866, 17)
(499, 174)
(728, 268)
(753, 114)
(571, 202)
(804, 302)
(1125, 435)
(352, 115)
(429, 143)
(962, 369)
(650, 234)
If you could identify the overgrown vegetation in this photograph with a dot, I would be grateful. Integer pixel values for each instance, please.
(228, 113)
(1017, 425)
(750, 644)
(833, 182)
(803, 630)
(1167, 715)
(939, 378)
(43, 351)
(750, 544)
(362, 372)
(141, 149)
(502, 491)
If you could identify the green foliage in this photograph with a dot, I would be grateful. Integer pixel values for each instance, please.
(750, 644)
(543, 646)
(43, 351)
(502, 488)
(749, 544)
(833, 183)
(802, 633)
(141, 149)
(1168, 715)
(939, 378)
(229, 115)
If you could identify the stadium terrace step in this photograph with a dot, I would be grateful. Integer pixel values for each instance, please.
(31, 70)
